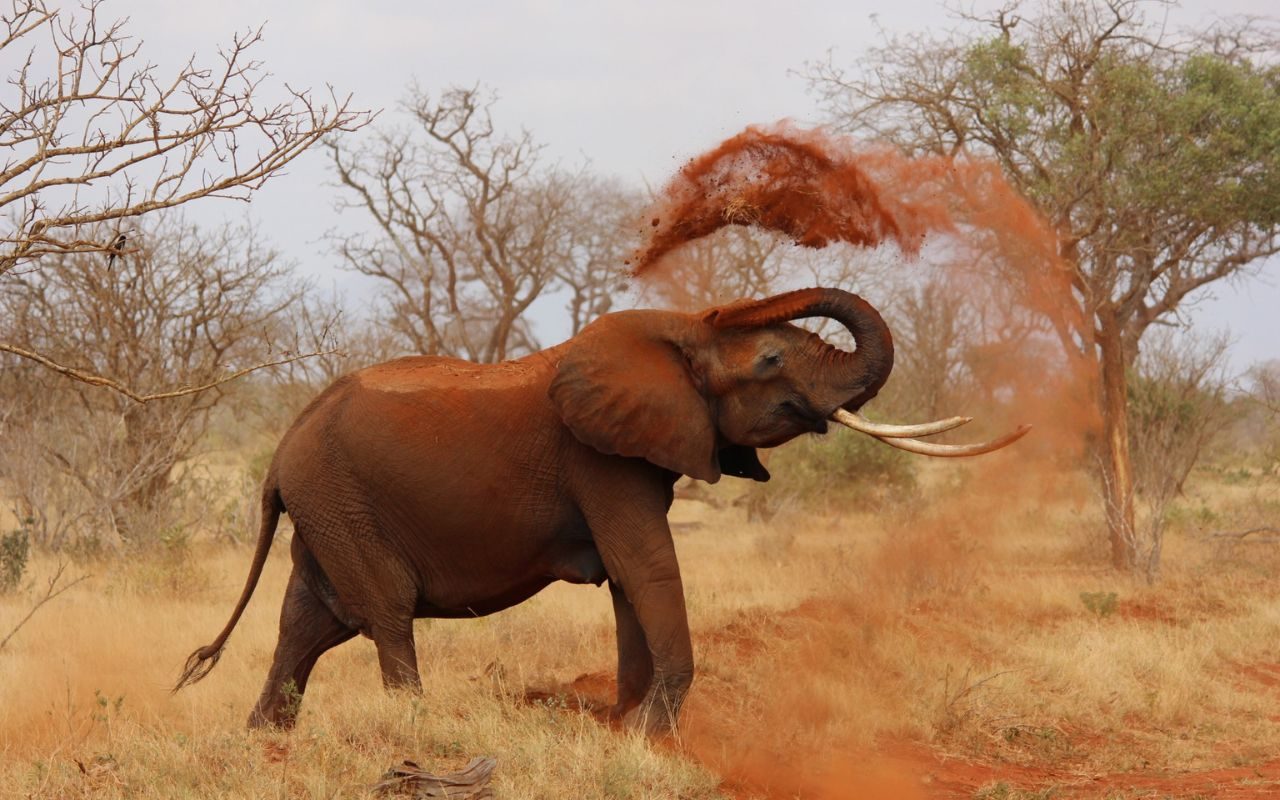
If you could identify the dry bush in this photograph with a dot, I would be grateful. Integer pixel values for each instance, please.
(1264, 395)
(187, 307)
(843, 470)
(1177, 405)
(934, 329)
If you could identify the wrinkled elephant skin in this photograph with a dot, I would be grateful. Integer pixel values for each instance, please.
(433, 487)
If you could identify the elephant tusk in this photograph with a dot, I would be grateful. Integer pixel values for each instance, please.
(882, 430)
(938, 450)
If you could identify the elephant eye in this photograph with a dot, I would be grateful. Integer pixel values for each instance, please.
(768, 364)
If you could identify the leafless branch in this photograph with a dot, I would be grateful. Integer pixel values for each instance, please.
(102, 137)
(1245, 533)
(471, 227)
(98, 380)
(51, 592)
(185, 315)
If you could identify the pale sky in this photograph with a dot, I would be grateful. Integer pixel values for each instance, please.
(633, 88)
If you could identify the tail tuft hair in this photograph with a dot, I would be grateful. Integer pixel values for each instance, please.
(206, 658)
(199, 664)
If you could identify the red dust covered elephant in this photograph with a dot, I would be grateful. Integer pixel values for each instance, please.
(434, 487)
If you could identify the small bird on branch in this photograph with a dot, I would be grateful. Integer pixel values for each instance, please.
(117, 248)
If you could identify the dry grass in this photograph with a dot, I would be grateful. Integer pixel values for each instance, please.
(957, 629)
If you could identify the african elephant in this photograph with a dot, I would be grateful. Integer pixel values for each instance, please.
(434, 487)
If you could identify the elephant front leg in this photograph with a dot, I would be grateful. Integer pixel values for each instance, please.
(635, 663)
(643, 565)
(625, 506)
(660, 608)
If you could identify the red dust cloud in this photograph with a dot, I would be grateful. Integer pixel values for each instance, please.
(1026, 353)
(819, 189)
(780, 179)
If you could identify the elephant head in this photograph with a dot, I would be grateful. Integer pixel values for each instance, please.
(697, 393)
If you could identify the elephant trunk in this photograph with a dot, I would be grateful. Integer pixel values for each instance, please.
(852, 378)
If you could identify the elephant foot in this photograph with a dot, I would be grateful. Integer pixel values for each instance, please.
(259, 720)
(277, 709)
(657, 714)
(654, 722)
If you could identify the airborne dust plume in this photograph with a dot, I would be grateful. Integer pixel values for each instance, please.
(986, 246)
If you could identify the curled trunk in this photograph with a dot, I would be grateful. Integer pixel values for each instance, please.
(852, 378)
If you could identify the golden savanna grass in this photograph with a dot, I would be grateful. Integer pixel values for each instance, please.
(922, 636)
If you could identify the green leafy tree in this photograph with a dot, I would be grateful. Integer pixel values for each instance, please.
(1155, 155)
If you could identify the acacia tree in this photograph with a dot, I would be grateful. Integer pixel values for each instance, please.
(93, 137)
(471, 227)
(1156, 158)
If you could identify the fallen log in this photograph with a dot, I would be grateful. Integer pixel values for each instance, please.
(410, 780)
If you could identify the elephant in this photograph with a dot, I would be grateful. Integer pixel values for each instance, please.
(434, 487)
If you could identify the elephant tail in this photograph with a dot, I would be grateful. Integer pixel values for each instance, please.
(202, 661)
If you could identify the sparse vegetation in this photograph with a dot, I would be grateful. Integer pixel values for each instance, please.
(841, 469)
(15, 550)
(1151, 152)
(1100, 604)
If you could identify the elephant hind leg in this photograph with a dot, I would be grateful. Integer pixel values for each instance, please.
(397, 655)
(307, 629)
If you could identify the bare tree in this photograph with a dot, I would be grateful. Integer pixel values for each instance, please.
(602, 231)
(471, 226)
(186, 307)
(1265, 391)
(92, 138)
(1153, 156)
(735, 262)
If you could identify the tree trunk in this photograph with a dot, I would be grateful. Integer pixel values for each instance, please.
(150, 452)
(1117, 467)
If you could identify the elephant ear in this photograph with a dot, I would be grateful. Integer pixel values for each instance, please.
(625, 390)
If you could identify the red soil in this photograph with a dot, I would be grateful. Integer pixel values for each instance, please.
(946, 778)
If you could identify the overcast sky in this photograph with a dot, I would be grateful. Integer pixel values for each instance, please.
(633, 88)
